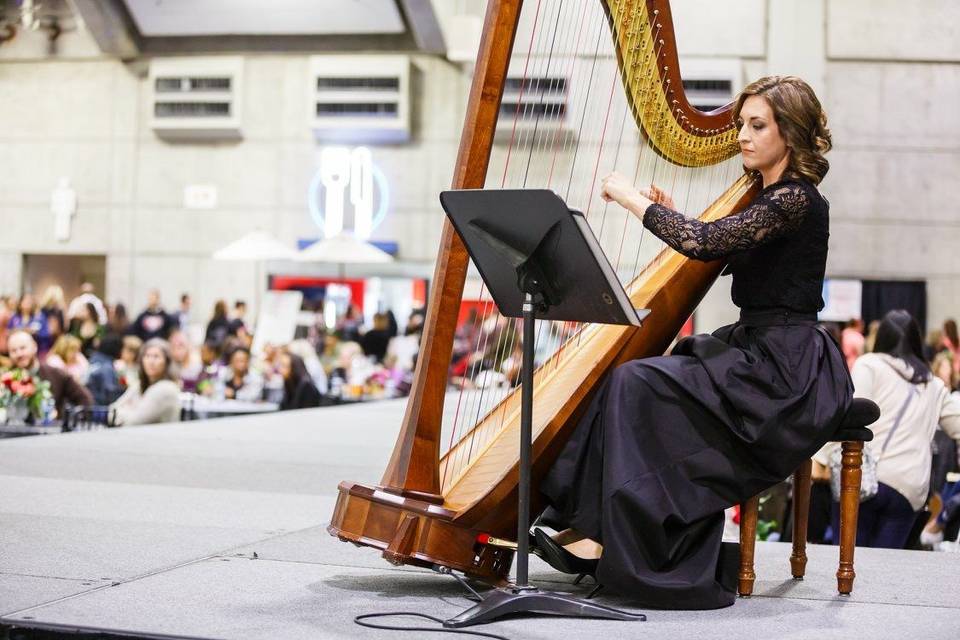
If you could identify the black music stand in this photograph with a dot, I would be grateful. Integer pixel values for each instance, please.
(540, 260)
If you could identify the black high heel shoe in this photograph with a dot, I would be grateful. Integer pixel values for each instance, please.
(560, 559)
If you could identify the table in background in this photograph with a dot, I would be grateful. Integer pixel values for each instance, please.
(194, 407)
(16, 431)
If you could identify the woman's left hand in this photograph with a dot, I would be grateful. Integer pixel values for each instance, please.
(616, 188)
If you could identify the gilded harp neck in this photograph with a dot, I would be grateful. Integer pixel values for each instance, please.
(650, 69)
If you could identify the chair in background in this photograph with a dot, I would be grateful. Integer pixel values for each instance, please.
(89, 418)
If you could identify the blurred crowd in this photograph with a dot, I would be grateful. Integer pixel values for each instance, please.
(914, 381)
(88, 353)
(91, 353)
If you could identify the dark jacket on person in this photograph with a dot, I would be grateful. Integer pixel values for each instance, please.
(103, 383)
(153, 323)
(375, 342)
(64, 388)
(217, 330)
(304, 395)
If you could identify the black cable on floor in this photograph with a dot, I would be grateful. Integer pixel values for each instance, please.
(361, 618)
(446, 571)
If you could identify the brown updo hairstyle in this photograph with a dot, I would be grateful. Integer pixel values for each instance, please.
(801, 120)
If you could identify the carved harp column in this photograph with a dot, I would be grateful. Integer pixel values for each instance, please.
(413, 469)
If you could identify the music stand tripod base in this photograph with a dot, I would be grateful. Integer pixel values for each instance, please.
(511, 600)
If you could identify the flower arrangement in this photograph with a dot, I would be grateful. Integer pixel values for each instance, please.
(22, 391)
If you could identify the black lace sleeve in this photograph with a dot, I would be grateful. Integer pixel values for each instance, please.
(776, 213)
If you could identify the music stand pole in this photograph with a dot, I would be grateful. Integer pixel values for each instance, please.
(526, 442)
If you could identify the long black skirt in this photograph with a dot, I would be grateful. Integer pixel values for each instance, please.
(670, 442)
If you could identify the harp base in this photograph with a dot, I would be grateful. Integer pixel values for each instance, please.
(414, 532)
(513, 600)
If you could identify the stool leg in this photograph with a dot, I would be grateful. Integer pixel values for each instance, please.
(801, 514)
(849, 510)
(748, 540)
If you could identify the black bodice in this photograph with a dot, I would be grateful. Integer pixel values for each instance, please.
(776, 247)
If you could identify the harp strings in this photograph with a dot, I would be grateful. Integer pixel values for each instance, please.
(471, 405)
(556, 146)
(571, 125)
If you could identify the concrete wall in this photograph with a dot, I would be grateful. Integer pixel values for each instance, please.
(86, 118)
(888, 77)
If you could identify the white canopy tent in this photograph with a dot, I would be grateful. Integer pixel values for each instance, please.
(342, 249)
(257, 246)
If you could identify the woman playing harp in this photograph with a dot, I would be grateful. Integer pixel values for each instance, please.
(669, 442)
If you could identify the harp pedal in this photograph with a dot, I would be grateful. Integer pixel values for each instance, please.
(487, 539)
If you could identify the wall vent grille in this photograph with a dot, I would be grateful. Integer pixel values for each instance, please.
(360, 98)
(196, 97)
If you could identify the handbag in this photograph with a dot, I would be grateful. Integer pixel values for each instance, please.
(869, 484)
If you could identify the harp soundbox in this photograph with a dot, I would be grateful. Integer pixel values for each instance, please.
(594, 87)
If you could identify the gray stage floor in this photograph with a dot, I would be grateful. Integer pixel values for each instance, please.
(216, 530)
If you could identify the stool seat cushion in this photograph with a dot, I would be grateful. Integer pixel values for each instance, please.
(862, 412)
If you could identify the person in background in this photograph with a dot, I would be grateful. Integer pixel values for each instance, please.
(852, 341)
(66, 355)
(87, 295)
(871, 336)
(6, 312)
(219, 326)
(153, 322)
(30, 319)
(303, 350)
(952, 342)
(329, 352)
(210, 366)
(912, 402)
(299, 391)
(267, 363)
(87, 328)
(127, 366)
(350, 325)
(157, 398)
(375, 341)
(182, 315)
(52, 304)
(240, 382)
(23, 355)
(245, 339)
(392, 327)
(933, 345)
(238, 324)
(402, 352)
(119, 324)
(103, 383)
(942, 367)
(185, 359)
(415, 323)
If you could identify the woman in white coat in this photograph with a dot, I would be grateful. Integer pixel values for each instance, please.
(912, 403)
(157, 397)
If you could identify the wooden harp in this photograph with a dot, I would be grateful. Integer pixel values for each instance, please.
(603, 92)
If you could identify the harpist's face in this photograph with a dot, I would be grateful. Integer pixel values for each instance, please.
(761, 144)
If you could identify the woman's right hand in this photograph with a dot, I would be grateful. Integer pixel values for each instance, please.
(661, 197)
(616, 188)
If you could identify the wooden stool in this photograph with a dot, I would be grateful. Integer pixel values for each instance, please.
(852, 433)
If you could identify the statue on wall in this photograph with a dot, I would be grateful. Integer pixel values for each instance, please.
(63, 204)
